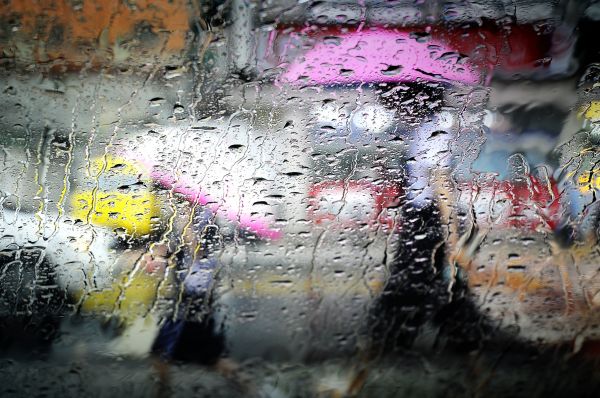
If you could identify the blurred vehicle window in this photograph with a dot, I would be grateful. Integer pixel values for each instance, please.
(289, 198)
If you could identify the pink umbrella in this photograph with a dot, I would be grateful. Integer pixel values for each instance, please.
(191, 192)
(379, 55)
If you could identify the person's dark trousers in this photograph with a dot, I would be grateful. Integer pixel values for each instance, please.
(419, 291)
(411, 294)
(192, 335)
(190, 341)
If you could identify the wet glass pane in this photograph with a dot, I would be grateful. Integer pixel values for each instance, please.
(299, 198)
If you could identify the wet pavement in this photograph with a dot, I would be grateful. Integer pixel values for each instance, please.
(509, 372)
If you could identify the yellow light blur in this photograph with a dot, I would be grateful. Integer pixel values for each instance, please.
(132, 211)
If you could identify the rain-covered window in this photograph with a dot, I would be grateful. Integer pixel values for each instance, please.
(299, 198)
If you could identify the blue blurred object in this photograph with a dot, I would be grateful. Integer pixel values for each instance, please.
(190, 333)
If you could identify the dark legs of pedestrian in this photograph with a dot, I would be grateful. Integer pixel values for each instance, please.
(420, 291)
(190, 333)
(410, 296)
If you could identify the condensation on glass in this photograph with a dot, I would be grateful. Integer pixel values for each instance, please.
(299, 198)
